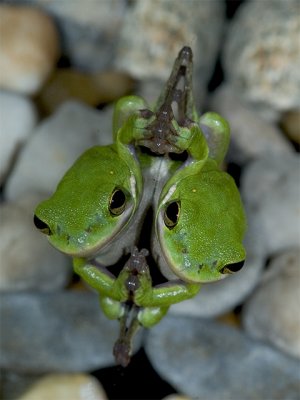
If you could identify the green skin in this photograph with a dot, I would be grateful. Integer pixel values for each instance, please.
(199, 222)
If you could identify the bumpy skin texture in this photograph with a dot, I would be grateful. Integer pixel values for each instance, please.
(98, 208)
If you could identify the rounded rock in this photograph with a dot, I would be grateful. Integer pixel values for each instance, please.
(65, 386)
(205, 359)
(56, 332)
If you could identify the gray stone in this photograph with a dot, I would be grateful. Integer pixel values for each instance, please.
(205, 359)
(27, 260)
(55, 145)
(251, 135)
(270, 190)
(262, 55)
(272, 312)
(152, 36)
(13, 385)
(18, 118)
(55, 332)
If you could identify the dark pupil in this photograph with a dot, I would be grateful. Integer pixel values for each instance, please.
(39, 223)
(118, 199)
(231, 268)
(236, 267)
(172, 212)
(41, 226)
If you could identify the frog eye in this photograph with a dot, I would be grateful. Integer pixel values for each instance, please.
(41, 226)
(171, 214)
(117, 202)
(232, 268)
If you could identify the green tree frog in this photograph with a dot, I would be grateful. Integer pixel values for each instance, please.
(154, 200)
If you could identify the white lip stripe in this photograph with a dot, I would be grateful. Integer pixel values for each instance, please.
(169, 194)
(133, 186)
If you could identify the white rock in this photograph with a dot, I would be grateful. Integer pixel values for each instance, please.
(272, 312)
(27, 260)
(17, 119)
(251, 135)
(54, 147)
(29, 48)
(271, 192)
(262, 55)
(66, 387)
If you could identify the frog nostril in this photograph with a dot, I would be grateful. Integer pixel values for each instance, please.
(41, 225)
(232, 268)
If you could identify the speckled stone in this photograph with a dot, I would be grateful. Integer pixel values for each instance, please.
(152, 36)
(262, 55)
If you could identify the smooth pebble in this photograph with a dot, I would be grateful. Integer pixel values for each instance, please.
(205, 359)
(56, 332)
(76, 386)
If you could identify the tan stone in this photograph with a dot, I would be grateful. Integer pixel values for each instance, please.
(65, 387)
(29, 48)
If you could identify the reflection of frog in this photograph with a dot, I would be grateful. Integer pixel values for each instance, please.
(165, 160)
